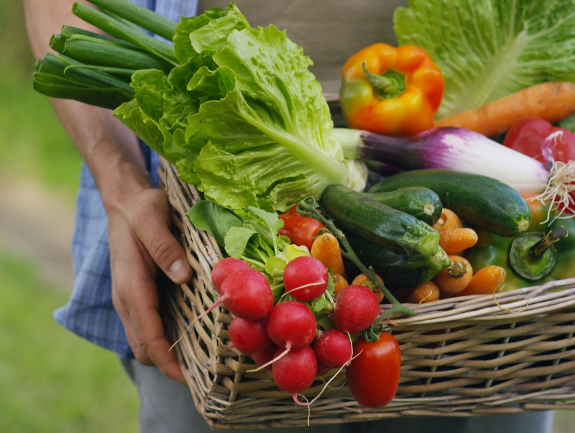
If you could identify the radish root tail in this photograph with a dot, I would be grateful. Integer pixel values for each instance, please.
(209, 310)
(559, 188)
(281, 355)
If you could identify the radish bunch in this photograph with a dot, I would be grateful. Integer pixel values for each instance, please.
(284, 338)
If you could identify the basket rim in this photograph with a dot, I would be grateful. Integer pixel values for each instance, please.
(513, 304)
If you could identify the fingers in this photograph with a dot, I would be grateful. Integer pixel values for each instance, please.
(140, 241)
(136, 301)
(149, 331)
(153, 231)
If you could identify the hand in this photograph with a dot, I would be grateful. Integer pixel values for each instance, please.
(140, 242)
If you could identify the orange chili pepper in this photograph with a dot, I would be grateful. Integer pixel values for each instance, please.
(391, 91)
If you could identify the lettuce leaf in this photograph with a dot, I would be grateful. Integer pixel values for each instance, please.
(241, 116)
(487, 49)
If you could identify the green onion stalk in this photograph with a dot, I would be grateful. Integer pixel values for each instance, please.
(96, 69)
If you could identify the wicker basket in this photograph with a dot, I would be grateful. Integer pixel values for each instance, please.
(468, 356)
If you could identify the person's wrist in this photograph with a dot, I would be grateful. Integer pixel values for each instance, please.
(122, 182)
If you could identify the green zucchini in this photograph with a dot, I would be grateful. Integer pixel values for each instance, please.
(420, 202)
(397, 270)
(483, 202)
(381, 224)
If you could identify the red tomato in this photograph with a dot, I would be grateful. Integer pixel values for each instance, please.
(373, 375)
(528, 134)
(300, 230)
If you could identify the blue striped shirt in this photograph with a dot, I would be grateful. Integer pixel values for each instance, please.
(89, 313)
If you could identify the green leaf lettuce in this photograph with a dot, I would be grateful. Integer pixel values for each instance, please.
(241, 117)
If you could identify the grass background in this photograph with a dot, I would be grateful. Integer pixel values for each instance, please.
(51, 380)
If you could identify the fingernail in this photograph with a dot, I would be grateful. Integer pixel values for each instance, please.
(178, 271)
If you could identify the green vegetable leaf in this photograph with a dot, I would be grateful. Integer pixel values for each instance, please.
(215, 24)
(270, 219)
(215, 219)
(270, 137)
(237, 239)
(241, 116)
(487, 49)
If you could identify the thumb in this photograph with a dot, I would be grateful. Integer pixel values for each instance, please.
(164, 249)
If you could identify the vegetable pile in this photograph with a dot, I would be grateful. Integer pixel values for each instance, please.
(476, 187)
(234, 108)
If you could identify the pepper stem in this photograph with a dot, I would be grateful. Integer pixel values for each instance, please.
(389, 85)
(555, 235)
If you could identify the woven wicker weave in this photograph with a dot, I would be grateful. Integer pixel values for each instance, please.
(468, 356)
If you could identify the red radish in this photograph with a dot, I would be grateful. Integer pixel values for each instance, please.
(295, 371)
(333, 348)
(305, 278)
(322, 368)
(247, 295)
(356, 307)
(248, 336)
(265, 356)
(291, 325)
(225, 267)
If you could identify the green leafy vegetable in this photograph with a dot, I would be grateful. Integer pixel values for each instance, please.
(242, 117)
(216, 220)
(487, 49)
(236, 109)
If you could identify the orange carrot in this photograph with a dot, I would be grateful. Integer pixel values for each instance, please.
(363, 280)
(339, 283)
(425, 292)
(455, 277)
(455, 241)
(485, 281)
(551, 101)
(447, 221)
(326, 249)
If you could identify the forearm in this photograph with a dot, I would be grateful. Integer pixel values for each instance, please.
(109, 148)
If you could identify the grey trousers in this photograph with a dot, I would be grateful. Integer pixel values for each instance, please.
(167, 407)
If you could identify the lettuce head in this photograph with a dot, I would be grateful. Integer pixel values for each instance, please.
(241, 116)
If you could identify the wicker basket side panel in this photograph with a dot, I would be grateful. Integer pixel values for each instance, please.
(460, 357)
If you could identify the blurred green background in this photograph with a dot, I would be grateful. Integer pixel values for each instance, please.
(50, 380)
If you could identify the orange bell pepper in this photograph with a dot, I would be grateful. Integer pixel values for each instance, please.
(391, 91)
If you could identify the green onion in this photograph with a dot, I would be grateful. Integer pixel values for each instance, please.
(110, 69)
(68, 31)
(95, 68)
(57, 43)
(59, 87)
(109, 54)
(125, 32)
(140, 16)
(73, 70)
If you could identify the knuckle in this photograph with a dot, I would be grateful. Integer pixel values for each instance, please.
(161, 250)
(142, 358)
